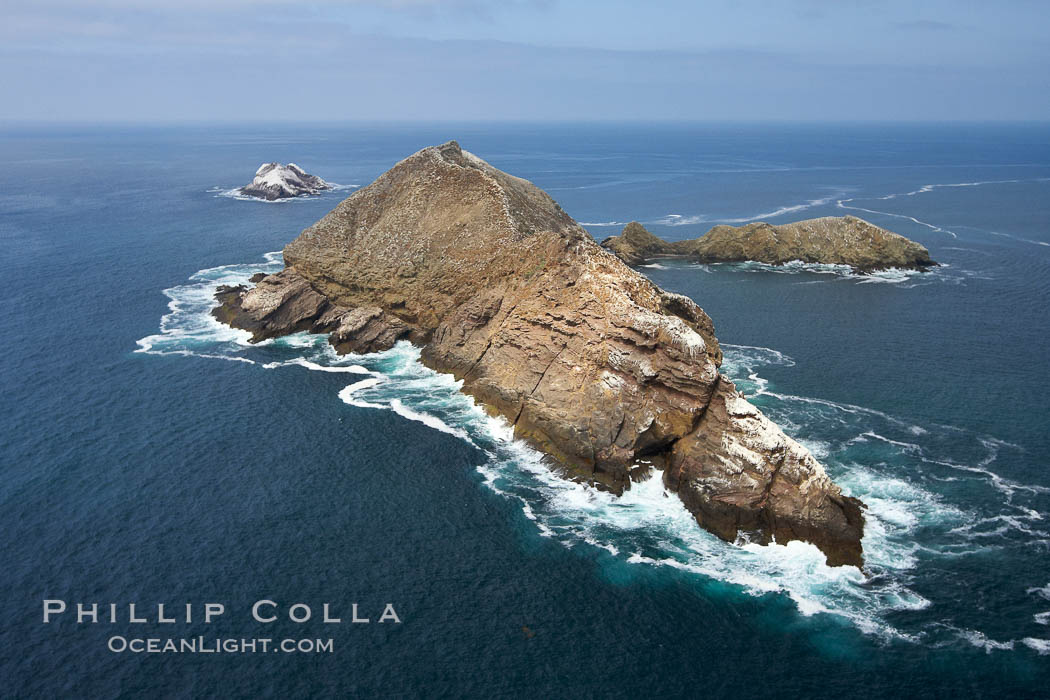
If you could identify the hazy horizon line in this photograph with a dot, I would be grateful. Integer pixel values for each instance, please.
(249, 123)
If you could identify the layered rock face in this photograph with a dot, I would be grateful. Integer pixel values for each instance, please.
(635, 245)
(834, 240)
(590, 361)
(275, 181)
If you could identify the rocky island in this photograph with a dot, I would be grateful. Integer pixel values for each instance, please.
(590, 361)
(276, 181)
(831, 240)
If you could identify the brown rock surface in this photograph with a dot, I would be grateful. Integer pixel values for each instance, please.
(834, 240)
(635, 245)
(590, 361)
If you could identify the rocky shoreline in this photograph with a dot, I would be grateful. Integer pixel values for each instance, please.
(591, 362)
(829, 240)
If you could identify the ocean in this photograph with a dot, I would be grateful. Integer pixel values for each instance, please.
(151, 455)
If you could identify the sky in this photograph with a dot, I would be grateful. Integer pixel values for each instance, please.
(530, 60)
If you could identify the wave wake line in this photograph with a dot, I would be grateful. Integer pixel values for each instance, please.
(844, 204)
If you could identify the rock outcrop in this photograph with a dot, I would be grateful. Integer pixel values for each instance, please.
(590, 361)
(286, 303)
(276, 181)
(833, 240)
(635, 245)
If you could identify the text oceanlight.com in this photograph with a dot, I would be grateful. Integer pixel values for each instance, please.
(202, 645)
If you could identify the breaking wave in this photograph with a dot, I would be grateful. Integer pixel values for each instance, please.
(679, 220)
(891, 275)
(899, 469)
(235, 193)
(906, 278)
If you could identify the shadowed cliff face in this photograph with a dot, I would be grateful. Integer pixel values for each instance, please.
(833, 240)
(591, 362)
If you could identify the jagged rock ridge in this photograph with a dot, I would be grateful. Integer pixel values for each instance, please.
(276, 181)
(591, 362)
(835, 240)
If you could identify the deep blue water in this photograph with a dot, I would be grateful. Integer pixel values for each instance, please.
(139, 465)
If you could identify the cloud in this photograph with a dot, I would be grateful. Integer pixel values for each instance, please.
(359, 77)
(121, 59)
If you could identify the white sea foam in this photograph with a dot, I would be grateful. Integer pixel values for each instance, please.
(348, 392)
(1042, 646)
(189, 328)
(301, 362)
(981, 641)
(748, 357)
(791, 267)
(1043, 591)
(891, 275)
(426, 419)
(649, 526)
(236, 193)
(905, 277)
(679, 220)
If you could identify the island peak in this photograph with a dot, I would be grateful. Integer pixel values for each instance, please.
(587, 359)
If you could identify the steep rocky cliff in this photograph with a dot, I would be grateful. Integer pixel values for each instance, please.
(591, 362)
(844, 240)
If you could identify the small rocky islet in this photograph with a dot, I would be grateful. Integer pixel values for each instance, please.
(275, 181)
(593, 364)
(829, 240)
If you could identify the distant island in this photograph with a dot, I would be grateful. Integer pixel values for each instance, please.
(276, 181)
(829, 240)
(609, 375)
